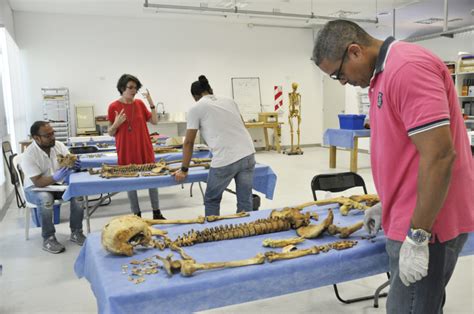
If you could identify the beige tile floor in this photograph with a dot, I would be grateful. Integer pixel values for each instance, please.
(34, 281)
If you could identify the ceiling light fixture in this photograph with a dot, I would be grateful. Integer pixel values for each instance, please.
(344, 14)
(434, 20)
(236, 10)
(429, 21)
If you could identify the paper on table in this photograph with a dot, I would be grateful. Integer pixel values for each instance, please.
(51, 188)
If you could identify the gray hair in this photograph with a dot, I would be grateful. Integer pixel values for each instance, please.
(334, 37)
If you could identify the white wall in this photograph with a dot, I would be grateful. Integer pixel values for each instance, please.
(89, 53)
(447, 48)
(6, 17)
(352, 101)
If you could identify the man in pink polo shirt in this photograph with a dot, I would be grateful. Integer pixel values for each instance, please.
(421, 159)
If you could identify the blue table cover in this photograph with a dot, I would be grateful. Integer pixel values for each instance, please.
(217, 288)
(343, 138)
(111, 158)
(82, 183)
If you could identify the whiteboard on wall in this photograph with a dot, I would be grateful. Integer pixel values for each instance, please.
(246, 93)
(3, 117)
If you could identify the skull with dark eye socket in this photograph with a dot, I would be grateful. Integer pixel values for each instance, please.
(122, 234)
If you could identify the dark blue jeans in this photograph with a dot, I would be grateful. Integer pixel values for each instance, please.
(45, 201)
(427, 294)
(219, 178)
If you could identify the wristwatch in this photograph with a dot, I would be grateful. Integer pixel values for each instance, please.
(419, 236)
(184, 169)
(152, 107)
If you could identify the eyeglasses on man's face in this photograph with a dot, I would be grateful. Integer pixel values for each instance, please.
(337, 75)
(47, 135)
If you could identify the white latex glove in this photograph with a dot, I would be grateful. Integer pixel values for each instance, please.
(413, 261)
(373, 219)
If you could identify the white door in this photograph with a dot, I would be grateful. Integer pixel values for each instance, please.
(334, 102)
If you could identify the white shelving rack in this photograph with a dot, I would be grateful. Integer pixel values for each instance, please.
(364, 102)
(465, 101)
(56, 110)
(464, 71)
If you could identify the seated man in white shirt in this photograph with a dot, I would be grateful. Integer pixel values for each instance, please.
(41, 168)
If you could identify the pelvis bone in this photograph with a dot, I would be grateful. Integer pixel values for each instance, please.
(313, 231)
(123, 233)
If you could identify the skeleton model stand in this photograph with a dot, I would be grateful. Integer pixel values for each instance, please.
(295, 112)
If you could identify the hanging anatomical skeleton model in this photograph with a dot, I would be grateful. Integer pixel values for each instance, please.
(294, 113)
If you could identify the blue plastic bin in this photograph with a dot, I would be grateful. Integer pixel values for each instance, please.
(36, 215)
(351, 121)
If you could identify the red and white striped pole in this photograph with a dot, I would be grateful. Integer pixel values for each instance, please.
(278, 97)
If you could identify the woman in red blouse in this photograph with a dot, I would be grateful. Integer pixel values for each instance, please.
(127, 122)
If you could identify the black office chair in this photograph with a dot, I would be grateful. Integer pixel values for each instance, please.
(339, 182)
(8, 155)
(78, 150)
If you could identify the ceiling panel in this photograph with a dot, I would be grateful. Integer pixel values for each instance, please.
(407, 12)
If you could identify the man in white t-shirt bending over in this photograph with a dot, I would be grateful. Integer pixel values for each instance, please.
(233, 153)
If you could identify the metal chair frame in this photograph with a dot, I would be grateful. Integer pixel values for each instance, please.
(339, 182)
(8, 155)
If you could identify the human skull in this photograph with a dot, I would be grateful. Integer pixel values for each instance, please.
(123, 233)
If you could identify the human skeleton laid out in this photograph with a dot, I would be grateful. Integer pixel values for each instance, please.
(122, 234)
(151, 169)
(165, 149)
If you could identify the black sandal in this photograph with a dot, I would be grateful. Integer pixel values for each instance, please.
(157, 215)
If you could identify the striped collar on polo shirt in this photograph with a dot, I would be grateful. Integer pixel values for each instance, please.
(382, 57)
